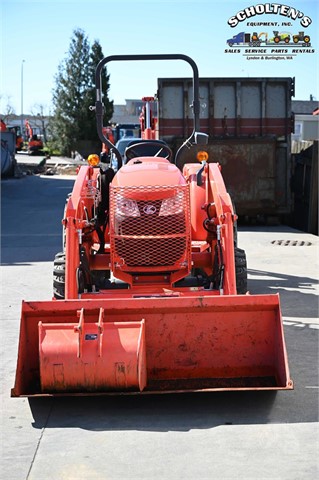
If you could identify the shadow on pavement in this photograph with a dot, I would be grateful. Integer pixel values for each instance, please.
(183, 412)
(294, 291)
(177, 412)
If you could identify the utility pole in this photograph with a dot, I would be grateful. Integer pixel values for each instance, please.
(22, 97)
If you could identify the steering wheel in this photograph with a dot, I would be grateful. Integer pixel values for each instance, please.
(133, 150)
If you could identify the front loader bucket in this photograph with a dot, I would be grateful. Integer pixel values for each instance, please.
(145, 344)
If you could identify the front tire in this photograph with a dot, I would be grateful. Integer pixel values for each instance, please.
(241, 271)
(59, 276)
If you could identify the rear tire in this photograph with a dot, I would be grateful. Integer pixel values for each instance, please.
(241, 271)
(59, 276)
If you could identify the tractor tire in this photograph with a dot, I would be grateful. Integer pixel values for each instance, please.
(59, 276)
(241, 271)
(306, 39)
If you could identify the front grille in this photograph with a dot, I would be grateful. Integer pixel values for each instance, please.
(152, 225)
(157, 252)
(149, 227)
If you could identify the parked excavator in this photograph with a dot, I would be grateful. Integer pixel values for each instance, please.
(35, 144)
(150, 290)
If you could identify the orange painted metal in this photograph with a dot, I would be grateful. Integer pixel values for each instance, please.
(82, 201)
(148, 122)
(198, 192)
(154, 336)
(193, 341)
(151, 242)
(92, 356)
(151, 303)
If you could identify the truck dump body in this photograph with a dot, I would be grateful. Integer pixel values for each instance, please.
(181, 343)
(249, 122)
(237, 107)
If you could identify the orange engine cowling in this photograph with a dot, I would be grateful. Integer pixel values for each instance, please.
(150, 228)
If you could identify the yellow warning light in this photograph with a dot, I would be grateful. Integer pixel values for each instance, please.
(202, 156)
(93, 160)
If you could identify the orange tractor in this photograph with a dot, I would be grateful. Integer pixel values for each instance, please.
(150, 290)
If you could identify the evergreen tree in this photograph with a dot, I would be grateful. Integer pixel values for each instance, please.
(74, 92)
(96, 56)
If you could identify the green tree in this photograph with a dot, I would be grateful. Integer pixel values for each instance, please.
(96, 56)
(73, 123)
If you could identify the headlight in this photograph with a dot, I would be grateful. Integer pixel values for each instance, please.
(125, 207)
(172, 205)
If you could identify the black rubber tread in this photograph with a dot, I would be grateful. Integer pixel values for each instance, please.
(241, 270)
(59, 276)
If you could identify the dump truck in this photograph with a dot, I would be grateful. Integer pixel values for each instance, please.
(150, 290)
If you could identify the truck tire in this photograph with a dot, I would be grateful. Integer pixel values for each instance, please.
(241, 271)
(59, 276)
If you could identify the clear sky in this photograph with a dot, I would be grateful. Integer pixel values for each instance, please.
(39, 32)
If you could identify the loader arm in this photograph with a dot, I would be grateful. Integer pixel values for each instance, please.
(79, 215)
(225, 216)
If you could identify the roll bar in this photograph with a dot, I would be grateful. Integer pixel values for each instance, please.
(116, 58)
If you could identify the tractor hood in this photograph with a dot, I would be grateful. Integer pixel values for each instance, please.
(148, 171)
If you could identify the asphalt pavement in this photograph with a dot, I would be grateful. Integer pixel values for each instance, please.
(229, 435)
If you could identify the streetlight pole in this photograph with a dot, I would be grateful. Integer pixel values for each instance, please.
(22, 96)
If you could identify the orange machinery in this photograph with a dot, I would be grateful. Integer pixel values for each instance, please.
(150, 290)
(16, 130)
(148, 121)
(35, 144)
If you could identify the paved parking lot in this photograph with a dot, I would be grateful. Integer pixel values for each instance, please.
(235, 435)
